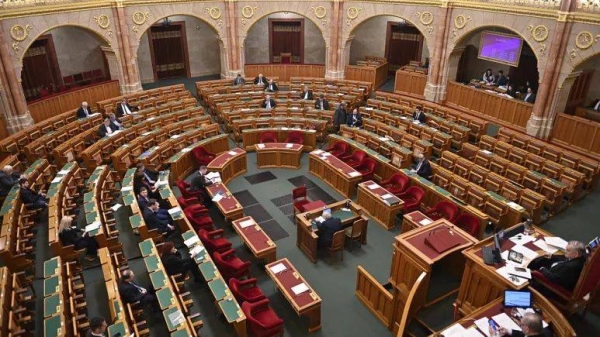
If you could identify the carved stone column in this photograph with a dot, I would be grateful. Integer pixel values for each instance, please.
(344, 58)
(435, 89)
(129, 61)
(334, 65)
(231, 58)
(115, 70)
(559, 101)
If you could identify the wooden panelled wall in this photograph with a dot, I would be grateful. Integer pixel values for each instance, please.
(577, 134)
(410, 83)
(376, 75)
(285, 71)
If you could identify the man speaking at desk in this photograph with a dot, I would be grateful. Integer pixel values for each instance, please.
(562, 270)
(327, 228)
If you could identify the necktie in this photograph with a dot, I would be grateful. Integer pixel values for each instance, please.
(419, 166)
(138, 287)
(126, 109)
(597, 107)
(86, 112)
(269, 104)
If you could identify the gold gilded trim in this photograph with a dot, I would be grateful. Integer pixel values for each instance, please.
(584, 40)
(214, 12)
(248, 11)
(139, 18)
(20, 33)
(102, 20)
(320, 11)
(426, 18)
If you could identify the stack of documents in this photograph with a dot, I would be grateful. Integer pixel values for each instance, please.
(299, 289)
(278, 268)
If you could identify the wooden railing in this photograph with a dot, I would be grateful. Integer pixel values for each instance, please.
(410, 83)
(55, 105)
(378, 300)
(376, 75)
(285, 71)
(577, 134)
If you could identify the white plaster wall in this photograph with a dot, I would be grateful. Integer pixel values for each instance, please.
(369, 39)
(77, 50)
(203, 50)
(256, 45)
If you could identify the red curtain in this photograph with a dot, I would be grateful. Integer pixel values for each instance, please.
(168, 49)
(286, 37)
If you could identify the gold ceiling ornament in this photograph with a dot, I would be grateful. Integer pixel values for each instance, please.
(460, 22)
(426, 18)
(248, 11)
(15, 47)
(213, 12)
(139, 18)
(539, 32)
(320, 11)
(102, 20)
(573, 53)
(584, 40)
(20, 33)
(352, 13)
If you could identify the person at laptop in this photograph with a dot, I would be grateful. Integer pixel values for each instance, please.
(327, 228)
(562, 270)
(531, 326)
(423, 168)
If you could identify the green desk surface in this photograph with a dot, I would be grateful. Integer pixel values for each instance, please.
(165, 298)
(441, 191)
(177, 215)
(343, 215)
(201, 257)
(179, 333)
(52, 191)
(146, 247)
(218, 288)
(230, 309)
(53, 326)
(187, 235)
(127, 181)
(91, 217)
(89, 196)
(208, 270)
(537, 174)
(51, 285)
(128, 199)
(135, 221)
(117, 328)
(496, 196)
(159, 279)
(165, 193)
(152, 263)
(51, 267)
(557, 182)
(33, 166)
(166, 314)
(89, 206)
(51, 305)
(117, 307)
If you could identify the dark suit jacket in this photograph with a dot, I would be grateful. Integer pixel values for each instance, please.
(7, 182)
(129, 293)
(152, 221)
(28, 196)
(593, 105)
(339, 116)
(81, 113)
(273, 104)
(102, 132)
(120, 111)
(566, 272)
(275, 87)
(512, 93)
(310, 95)
(69, 236)
(152, 174)
(421, 118)
(199, 182)
(239, 81)
(502, 80)
(425, 169)
(545, 333)
(326, 230)
(143, 202)
(176, 264)
(264, 79)
(114, 126)
(530, 99)
(325, 104)
(350, 120)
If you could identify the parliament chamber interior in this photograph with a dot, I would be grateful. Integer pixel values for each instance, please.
(299, 168)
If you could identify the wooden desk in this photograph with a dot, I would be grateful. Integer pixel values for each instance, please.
(285, 71)
(481, 283)
(411, 83)
(334, 172)
(278, 155)
(255, 238)
(377, 75)
(183, 162)
(307, 235)
(306, 304)
(250, 137)
(229, 164)
(414, 220)
(229, 206)
(370, 198)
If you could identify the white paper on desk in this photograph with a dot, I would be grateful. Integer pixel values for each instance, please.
(151, 119)
(289, 146)
(176, 318)
(326, 154)
(186, 149)
(317, 151)
(217, 197)
(472, 332)
(174, 210)
(416, 122)
(368, 108)
(486, 152)
(93, 226)
(483, 324)
(319, 219)
(546, 247)
(213, 175)
(94, 114)
(513, 271)
(191, 241)
(247, 223)
(115, 207)
(127, 189)
(383, 139)
(175, 136)
(56, 180)
(354, 174)
(521, 239)
(506, 322)
(373, 186)
(294, 108)
(299, 289)
(556, 242)
(63, 171)
(278, 268)
(162, 183)
(232, 153)
(387, 195)
(514, 205)
(455, 330)
(504, 273)
(425, 222)
(146, 133)
(284, 128)
(346, 209)
(196, 250)
(261, 146)
(527, 253)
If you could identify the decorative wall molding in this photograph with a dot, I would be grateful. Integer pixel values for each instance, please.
(102, 20)
(139, 18)
(460, 22)
(352, 13)
(320, 12)
(215, 14)
(540, 34)
(583, 41)
(247, 13)
(426, 19)
(19, 34)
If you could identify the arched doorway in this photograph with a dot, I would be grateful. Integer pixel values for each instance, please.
(284, 33)
(584, 89)
(62, 58)
(179, 46)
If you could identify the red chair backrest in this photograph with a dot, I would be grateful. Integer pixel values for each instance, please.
(590, 276)
(359, 155)
(400, 179)
(370, 164)
(296, 135)
(341, 146)
(199, 151)
(415, 192)
(448, 208)
(267, 136)
(182, 202)
(299, 192)
(468, 223)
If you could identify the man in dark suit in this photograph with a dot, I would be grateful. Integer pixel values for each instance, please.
(144, 202)
(115, 123)
(151, 176)
(153, 221)
(239, 80)
(306, 94)
(97, 327)
(321, 103)
(271, 86)
(339, 116)
(423, 168)
(531, 326)
(268, 103)
(8, 179)
(177, 263)
(562, 270)
(260, 79)
(132, 292)
(105, 129)
(419, 115)
(125, 109)
(530, 96)
(501, 80)
(84, 111)
(595, 105)
(354, 119)
(200, 181)
(29, 197)
(327, 228)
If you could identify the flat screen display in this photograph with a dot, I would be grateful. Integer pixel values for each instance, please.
(501, 48)
(517, 299)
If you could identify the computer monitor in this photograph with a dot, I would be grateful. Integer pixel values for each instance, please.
(497, 247)
(517, 299)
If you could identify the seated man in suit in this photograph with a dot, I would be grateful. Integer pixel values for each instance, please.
(132, 292)
(327, 228)
(144, 202)
(105, 129)
(423, 168)
(271, 86)
(152, 220)
(307, 94)
(97, 327)
(530, 96)
(115, 123)
(354, 119)
(8, 179)
(200, 181)
(321, 103)
(501, 80)
(177, 263)
(260, 79)
(531, 326)
(151, 176)
(268, 103)
(595, 105)
(30, 197)
(419, 116)
(84, 111)
(562, 270)
(124, 108)
(239, 80)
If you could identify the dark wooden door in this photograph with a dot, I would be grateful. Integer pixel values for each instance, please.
(403, 44)
(168, 49)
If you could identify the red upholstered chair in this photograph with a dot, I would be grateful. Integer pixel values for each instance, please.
(199, 218)
(589, 281)
(186, 191)
(396, 184)
(202, 156)
(443, 209)
(355, 158)
(230, 265)
(214, 241)
(468, 223)
(412, 199)
(246, 290)
(295, 137)
(190, 203)
(267, 137)
(367, 168)
(262, 320)
(299, 198)
(338, 149)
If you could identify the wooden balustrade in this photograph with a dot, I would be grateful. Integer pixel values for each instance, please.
(577, 134)
(285, 71)
(373, 295)
(410, 83)
(376, 75)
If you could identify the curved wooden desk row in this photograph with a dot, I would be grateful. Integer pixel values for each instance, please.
(216, 101)
(278, 155)
(183, 163)
(13, 160)
(109, 105)
(364, 85)
(284, 112)
(285, 71)
(334, 172)
(180, 109)
(257, 104)
(207, 85)
(16, 295)
(251, 131)
(376, 73)
(293, 90)
(229, 164)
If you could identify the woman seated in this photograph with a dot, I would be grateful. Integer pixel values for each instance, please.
(69, 235)
(176, 263)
